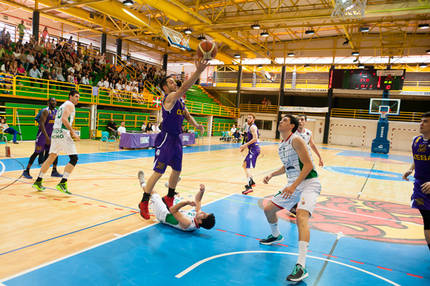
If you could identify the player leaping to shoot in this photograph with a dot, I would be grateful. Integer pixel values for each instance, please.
(178, 218)
(168, 144)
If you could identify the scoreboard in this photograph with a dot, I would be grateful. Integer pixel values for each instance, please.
(369, 79)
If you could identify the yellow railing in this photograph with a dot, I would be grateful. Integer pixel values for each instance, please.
(130, 70)
(364, 114)
(41, 89)
(221, 126)
(258, 108)
(27, 119)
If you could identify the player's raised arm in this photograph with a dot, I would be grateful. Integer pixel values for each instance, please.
(198, 197)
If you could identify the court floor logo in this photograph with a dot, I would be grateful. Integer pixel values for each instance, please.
(371, 220)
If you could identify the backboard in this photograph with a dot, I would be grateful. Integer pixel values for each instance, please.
(384, 106)
(176, 39)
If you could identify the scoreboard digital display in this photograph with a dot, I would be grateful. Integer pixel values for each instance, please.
(366, 79)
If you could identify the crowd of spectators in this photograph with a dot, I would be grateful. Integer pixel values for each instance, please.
(67, 61)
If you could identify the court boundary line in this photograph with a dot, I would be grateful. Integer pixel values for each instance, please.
(198, 263)
(91, 247)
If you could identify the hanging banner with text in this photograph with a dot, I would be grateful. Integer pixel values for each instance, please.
(303, 109)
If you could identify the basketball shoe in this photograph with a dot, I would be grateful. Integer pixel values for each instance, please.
(271, 239)
(299, 273)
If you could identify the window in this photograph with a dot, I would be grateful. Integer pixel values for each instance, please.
(264, 124)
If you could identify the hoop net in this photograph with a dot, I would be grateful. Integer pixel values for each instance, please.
(176, 39)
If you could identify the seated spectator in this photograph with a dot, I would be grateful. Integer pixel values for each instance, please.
(6, 129)
(233, 130)
(111, 128)
(143, 127)
(34, 72)
(148, 128)
(155, 128)
(121, 129)
(21, 70)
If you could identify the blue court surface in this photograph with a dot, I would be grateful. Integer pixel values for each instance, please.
(230, 254)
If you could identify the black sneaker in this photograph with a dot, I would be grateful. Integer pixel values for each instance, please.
(251, 183)
(247, 190)
(26, 174)
(299, 273)
(56, 174)
(271, 239)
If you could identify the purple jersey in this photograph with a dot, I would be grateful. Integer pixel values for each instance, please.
(421, 153)
(49, 123)
(172, 120)
(49, 126)
(249, 138)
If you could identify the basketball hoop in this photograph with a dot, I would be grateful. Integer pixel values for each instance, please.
(176, 39)
(383, 114)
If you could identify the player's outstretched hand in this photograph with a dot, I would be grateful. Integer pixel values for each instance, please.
(267, 179)
(406, 175)
(201, 128)
(201, 64)
(425, 188)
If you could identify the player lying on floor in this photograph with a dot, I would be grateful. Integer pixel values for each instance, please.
(186, 220)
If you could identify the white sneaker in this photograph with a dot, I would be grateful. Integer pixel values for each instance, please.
(141, 177)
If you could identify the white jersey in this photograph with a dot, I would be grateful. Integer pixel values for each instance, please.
(290, 160)
(306, 135)
(58, 124)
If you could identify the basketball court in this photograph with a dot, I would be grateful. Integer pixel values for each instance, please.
(363, 230)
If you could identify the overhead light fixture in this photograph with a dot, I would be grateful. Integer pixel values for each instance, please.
(309, 32)
(232, 91)
(306, 65)
(188, 31)
(355, 53)
(428, 52)
(255, 27)
(201, 37)
(346, 42)
(236, 56)
(128, 2)
(423, 65)
(264, 34)
(423, 26)
(360, 66)
(291, 54)
(364, 29)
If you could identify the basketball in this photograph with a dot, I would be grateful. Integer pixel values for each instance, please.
(207, 50)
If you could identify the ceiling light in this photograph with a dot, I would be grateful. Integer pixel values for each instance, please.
(423, 65)
(291, 54)
(188, 31)
(264, 34)
(360, 66)
(306, 65)
(201, 37)
(355, 53)
(428, 52)
(236, 56)
(309, 32)
(423, 26)
(128, 2)
(255, 26)
(232, 91)
(364, 29)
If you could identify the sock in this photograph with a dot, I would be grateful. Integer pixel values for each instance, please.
(303, 250)
(275, 229)
(171, 192)
(146, 197)
(40, 177)
(66, 175)
(249, 181)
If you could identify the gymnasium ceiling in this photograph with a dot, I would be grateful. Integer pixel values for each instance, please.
(393, 25)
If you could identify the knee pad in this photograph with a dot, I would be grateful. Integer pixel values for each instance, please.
(73, 159)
